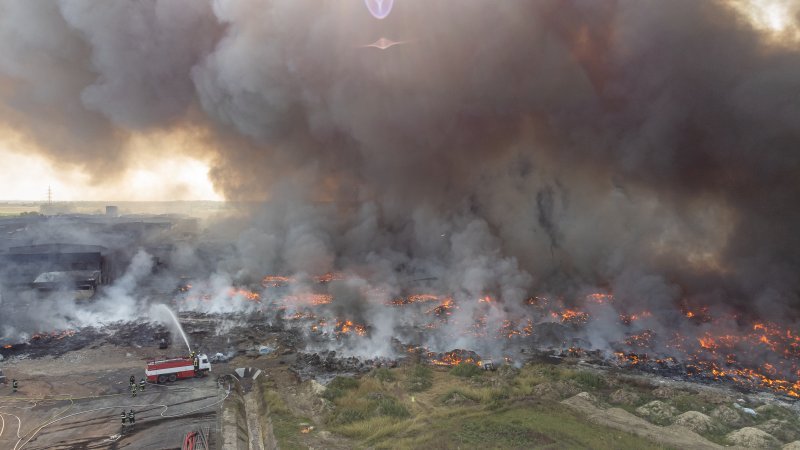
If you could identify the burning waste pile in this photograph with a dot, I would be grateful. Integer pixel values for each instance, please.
(432, 327)
(354, 321)
(339, 323)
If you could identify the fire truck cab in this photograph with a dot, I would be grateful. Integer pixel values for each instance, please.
(163, 370)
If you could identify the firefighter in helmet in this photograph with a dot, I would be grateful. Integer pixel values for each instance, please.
(142, 384)
(14, 385)
(132, 380)
(131, 417)
(123, 416)
(196, 362)
(133, 390)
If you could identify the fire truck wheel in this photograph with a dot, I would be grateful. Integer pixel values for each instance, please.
(162, 379)
(172, 377)
(198, 374)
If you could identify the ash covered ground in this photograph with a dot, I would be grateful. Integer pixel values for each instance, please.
(328, 340)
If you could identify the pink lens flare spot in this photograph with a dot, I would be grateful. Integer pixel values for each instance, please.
(380, 9)
(384, 44)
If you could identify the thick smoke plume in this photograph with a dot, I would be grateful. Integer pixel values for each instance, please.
(505, 148)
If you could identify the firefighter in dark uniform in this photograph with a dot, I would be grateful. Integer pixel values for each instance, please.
(142, 385)
(132, 380)
(14, 385)
(123, 416)
(131, 417)
(196, 362)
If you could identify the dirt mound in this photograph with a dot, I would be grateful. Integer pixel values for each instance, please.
(457, 399)
(665, 392)
(776, 411)
(696, 421)
(781, 429)
(555, 391)
(657, 412)
(728, 416)
(714, 397)
(624, 397)
(750, 437)
(672, 436)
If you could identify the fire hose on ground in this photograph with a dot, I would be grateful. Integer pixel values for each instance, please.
(188, 441)
(36, 431)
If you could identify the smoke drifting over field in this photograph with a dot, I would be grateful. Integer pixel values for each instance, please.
(506, 148)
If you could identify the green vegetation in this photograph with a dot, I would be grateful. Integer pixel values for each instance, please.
(589, 380)
(778, 412)
(384, 374)
(11, 210)
(421, 407)
(466, 370)
(688, 402)
(338, 386)
(420, 378)
(369, 400)
(389, 406)
(285, 425)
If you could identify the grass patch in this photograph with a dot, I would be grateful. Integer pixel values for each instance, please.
(345, 416)
(589, 380)
(777, 412)
(687, 402)
(485, 395)
(420, 379)
(459, 392)
(389, 406)
(375, 428)
(368, 399)
(421, 371)
(545, 426)
(534, 374)
(355, 408)
(466, 370)
(384, 374)
(274, 402)
(393, 415)
(338, 386)
(285, 425)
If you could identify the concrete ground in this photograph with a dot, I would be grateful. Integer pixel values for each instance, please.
(75, 401)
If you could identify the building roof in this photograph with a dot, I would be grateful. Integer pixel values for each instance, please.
(56, 248)
(67, 277)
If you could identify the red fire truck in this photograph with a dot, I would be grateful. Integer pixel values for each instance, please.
(163, 370)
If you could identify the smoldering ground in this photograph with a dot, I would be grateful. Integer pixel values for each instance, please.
(508, 148)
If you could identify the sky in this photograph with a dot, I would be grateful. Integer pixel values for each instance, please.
(27, 175)
(27, 169)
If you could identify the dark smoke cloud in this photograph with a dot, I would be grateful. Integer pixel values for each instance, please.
(505, 147)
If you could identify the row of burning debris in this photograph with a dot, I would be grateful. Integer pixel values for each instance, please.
(317, 365)
(760, 354)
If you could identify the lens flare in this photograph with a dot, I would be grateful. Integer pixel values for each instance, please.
(380, 9)
(384, 44)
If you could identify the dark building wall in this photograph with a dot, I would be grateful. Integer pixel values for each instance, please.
(21, 265)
